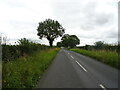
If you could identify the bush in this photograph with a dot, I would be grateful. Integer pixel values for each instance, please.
(25, 47)
(10, 52)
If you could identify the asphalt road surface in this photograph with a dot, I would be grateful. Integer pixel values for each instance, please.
(73, 70)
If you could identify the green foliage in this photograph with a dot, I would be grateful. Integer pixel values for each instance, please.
(59, 44)
(25, 47)
(50, 29)
(107, 57)
(69, 41)
(73, 40)
(25, 72)
(99, 45)
(10, 52)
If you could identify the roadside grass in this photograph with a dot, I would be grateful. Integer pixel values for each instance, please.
(108, 57)
(26, 71)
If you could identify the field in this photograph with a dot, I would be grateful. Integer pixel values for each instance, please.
(24, 72)
(107, 57)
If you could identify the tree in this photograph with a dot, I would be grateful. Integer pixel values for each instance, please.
(25, 46)
(59, 44)
(65, 40)
(24, 41)
(50, 29)
(70, 40)
(99, 44)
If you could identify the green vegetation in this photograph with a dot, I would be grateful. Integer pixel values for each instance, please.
(50, 29)
(25, 71)
(101, 45)
(69, 41)
(107, 57)
(25, 47)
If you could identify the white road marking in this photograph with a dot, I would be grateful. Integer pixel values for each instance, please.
(81, 66)
(72, 57)
(102, 87)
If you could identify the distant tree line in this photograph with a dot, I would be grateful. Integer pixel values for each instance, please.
(100, 45)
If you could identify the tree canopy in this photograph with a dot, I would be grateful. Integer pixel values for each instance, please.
(50, 29)
(99, 44)
(69, 41)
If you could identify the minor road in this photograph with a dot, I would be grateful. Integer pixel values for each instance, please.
(73, 70)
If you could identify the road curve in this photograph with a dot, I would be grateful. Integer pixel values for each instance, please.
(73, 70)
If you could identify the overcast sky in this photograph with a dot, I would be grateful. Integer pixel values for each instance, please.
(90, 20)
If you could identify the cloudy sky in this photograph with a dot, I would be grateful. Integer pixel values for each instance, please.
(90, 20)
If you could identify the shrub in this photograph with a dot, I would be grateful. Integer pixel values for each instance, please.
(25, 47)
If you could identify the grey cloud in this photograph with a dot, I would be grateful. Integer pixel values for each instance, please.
(90, 35)
(68, 12)
(87, 26)
(100, 35)
(79, 14)
(103, 19)
(96, 21)
(112, 34)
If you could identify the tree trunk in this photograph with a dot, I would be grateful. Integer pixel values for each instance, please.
(51, 43)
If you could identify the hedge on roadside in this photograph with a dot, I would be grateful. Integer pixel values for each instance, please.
(25, 47)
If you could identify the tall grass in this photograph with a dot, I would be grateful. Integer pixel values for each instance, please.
(26, 71)
(107, 57)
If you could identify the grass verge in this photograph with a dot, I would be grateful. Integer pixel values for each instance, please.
(107, 57)
(26, 71)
